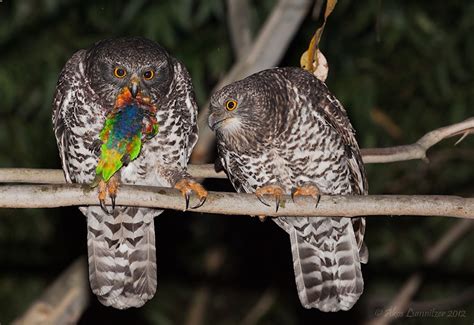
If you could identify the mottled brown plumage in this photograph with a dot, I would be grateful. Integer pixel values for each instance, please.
(285, 128)
(121, 245)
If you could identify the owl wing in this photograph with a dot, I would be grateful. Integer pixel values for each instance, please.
(184, 98)
(336, 116)
(75, 120)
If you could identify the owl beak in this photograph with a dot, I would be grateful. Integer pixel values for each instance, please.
(134, 87)
(215, 121)
(212, 121)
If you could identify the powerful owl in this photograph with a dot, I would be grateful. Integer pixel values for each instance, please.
(124, 112)
(280, 131)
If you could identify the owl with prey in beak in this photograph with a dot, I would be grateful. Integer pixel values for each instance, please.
(124, 112)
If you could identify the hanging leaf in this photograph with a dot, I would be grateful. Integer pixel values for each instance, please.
(312, 59)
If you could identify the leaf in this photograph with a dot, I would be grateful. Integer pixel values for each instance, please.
(309, 60)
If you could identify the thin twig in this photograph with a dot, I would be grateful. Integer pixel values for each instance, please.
(267, 50)
(196, 314)
(418, 149)
(400, 303)
(64, 301)
(52, 196)
(262, 306)
(441, 304)
(238, 13)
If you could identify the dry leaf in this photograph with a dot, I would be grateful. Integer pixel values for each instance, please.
(310, 60)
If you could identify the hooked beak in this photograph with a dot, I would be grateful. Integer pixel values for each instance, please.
(134, 87)
(214, 121)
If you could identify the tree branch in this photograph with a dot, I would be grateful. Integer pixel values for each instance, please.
(238, 13)
(64, 301)
(51, 196)
(416, 150)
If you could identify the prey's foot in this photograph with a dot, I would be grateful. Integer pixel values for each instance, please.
(308, 189)
(110, 188)
(273, 190)
(186, 186)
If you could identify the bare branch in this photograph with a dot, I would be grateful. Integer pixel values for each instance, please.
(441, 304)
(238, 13)
(372, 155)
(267, 50)
(64, 301)
(418, 149)
(32, 176)
(214, 260)
(261, 308)
(402, 300)
(51, 196)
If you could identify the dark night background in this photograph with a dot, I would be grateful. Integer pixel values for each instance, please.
(401, 69)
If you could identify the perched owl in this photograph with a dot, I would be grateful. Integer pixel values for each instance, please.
(124, 112)
(280, 131)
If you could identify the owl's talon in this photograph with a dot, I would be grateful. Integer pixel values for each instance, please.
(104, 207)
(260, 198)
(274, 190)
(307, 190)
(112, 198)
(186, 197)
(186, 187)
(201, 202)
(318, 198)
(111, 188)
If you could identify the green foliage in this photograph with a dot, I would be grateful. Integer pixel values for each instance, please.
(412, 61)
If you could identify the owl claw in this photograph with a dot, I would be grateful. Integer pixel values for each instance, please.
(111, 188)
(186, 187)
(112, 198)
(186, 197)
(306, 190)
(201, 202)
(260, 198)
(104, 207)
(274, 190)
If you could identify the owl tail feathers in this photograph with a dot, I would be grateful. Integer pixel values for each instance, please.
(329, 280)
(122, 257)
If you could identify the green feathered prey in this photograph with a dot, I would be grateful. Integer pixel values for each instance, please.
(122, 137)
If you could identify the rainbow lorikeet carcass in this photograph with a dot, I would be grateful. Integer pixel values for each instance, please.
(132, 121)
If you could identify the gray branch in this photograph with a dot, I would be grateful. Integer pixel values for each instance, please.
(416, 150)
(59, 195)
(238, 13)
(64, 301)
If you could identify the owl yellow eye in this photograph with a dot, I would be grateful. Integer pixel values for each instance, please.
(148, 75)
(120, 72)
(230, 105)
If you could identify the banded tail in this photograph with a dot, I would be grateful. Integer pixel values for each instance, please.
(326, 262)
(122, 255)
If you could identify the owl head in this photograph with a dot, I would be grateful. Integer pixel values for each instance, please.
(249, 108)
(137, 63)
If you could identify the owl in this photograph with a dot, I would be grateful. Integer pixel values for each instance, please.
(124, 111)
(281, 131)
